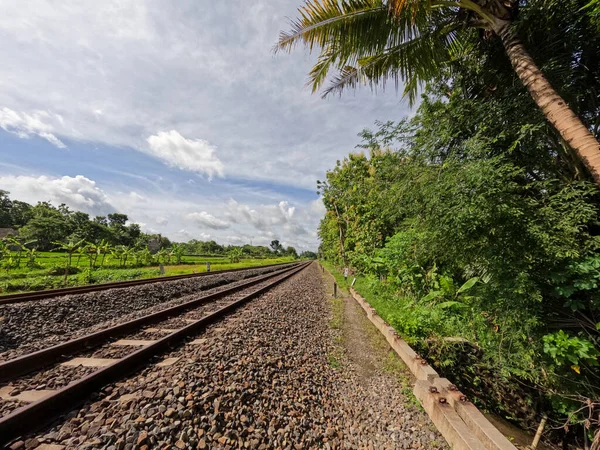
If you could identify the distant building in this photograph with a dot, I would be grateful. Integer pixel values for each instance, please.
(4, 232)
(154, 245)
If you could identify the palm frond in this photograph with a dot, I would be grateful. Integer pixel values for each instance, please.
(321, 20)
(370, 41)
(327, 58)
(415, 61)
(400, 8)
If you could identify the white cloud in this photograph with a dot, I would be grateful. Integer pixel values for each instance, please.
(79, 193)
(169, 214)
(161, 220)
(207, 220)
(27, 125)
(317, 208)
(194, 155)
(261, 217)
(236, 240)
(296, 229)
(185, 235)
(287, 211)
(118, 71)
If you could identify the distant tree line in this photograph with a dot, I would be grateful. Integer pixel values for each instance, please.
(46, 227)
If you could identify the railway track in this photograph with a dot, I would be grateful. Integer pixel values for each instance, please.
(101, 359)
(52, 293)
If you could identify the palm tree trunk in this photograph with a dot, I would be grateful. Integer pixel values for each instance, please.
(556, 110)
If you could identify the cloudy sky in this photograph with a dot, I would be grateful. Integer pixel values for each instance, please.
(175, 113)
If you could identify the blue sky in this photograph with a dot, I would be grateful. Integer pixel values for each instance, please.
(176, 113)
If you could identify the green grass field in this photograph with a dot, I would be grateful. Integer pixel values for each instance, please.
(49, 259)
(48, 276)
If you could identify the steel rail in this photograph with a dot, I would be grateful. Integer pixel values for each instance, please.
(51, 293)
(36, 360)
(35, 415)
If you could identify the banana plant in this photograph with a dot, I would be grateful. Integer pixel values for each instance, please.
(104, 248)
(162, 256)
(145, 256)
(31, 254)
(18, 253)
(177, 251)
(235, 254)
(126, 253)
(454, 298)
(70, 247)
(117, 253)
(81, 251)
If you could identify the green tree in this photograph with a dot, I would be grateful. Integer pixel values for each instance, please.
(5, 210)
(370, 41)
(101, 220)
(117, 220)
(276, 247)
(291, 251)
(44, 231)
(21, 213)
(307, 254)
(442, 206)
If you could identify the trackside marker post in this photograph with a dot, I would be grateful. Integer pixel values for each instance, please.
(538, 434)
(334, 289)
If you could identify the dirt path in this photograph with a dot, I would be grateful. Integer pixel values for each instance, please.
(378, 385)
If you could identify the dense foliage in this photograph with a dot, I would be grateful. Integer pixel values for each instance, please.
(474, 220)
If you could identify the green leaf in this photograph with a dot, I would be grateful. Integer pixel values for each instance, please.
(451, 304)
(468, 285)
(432, 295)
(447, 284)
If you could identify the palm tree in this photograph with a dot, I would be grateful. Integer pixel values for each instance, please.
(369, 41)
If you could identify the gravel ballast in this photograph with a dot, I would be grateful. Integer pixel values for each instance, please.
(39, 324)
(262, 379)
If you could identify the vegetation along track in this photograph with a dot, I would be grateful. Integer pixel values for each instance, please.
(55, 293)
(30, 326)
(77, 378)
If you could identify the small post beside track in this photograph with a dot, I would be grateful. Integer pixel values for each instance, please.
(538, 434)
(334, 289)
